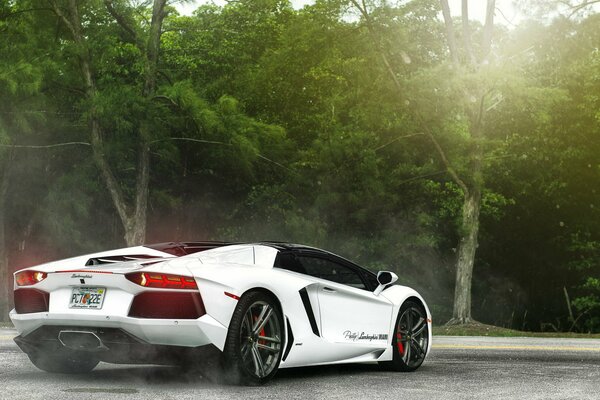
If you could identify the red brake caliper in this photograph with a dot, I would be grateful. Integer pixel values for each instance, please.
(399, 343)
(262, 333)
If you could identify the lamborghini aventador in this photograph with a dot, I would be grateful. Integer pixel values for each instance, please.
(259, 306)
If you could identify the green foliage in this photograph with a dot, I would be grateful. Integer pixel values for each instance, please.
(282, 124)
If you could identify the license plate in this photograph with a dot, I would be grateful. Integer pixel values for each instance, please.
(87, 297)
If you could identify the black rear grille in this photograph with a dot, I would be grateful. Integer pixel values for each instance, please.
(167, 305)
(112, 345)
(31, 301)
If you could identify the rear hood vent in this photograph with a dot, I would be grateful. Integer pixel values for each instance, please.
(120, 259)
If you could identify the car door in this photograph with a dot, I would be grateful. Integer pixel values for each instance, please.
(350, 313)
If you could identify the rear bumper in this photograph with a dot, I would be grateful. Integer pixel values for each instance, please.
(185, 333)
(110, 345)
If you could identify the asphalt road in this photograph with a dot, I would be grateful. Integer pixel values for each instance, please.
(457, 368)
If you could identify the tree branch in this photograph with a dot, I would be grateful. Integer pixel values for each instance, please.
(64, 19)
(153, 46)
(176, 105)
(109, 178)
(136, 230)
(480, 114)
(165, 98)
(47, 146)
(13, 13)
(274, 162)
(124, 24)
(190, 140)
(576, 8)
(74, 26)
(448, 166)
(450, 36)
(488, 30)
(467, 32)
(362, 8)
(223, 144)
(452, 45)
(416, 178)
(396, 139)
(504, 16)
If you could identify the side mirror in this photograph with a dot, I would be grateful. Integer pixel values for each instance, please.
(384, 278)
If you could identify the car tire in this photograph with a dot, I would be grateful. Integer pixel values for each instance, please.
(64, 361)
(255, 340)
(410, 339)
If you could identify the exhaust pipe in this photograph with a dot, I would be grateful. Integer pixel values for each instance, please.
(81, 341)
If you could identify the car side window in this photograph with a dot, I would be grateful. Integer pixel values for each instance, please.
(372, 280)
(331, 271)
(289, 262)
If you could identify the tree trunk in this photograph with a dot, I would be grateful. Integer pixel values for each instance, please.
(467, 33)
(488, 29)
(6, 279)
(471, 189)
(135, 225)
(450, 37)
(133, 217)
(469, 229)
(135, 234)
(466, 257)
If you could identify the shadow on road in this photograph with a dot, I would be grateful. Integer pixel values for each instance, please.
(164, 375)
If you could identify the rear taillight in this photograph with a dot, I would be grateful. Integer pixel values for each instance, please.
(31, 301)
(162, 281)
(167, 305)
(29, 277)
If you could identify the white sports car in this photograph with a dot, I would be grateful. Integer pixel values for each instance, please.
(263, 306)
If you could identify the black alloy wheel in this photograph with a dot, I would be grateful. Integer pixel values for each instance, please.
(254, 344)
(411, 338)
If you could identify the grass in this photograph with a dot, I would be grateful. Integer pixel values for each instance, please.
(477, 329)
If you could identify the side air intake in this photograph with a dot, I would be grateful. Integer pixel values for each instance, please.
(309, 311)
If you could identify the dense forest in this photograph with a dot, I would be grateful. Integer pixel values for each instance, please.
(463, 155)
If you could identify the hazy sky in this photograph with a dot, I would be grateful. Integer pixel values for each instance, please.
(476, 8)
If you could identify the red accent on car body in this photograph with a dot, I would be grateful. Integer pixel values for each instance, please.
(81, 271)
(233, 296)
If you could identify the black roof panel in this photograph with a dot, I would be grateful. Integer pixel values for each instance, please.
(179, 249)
